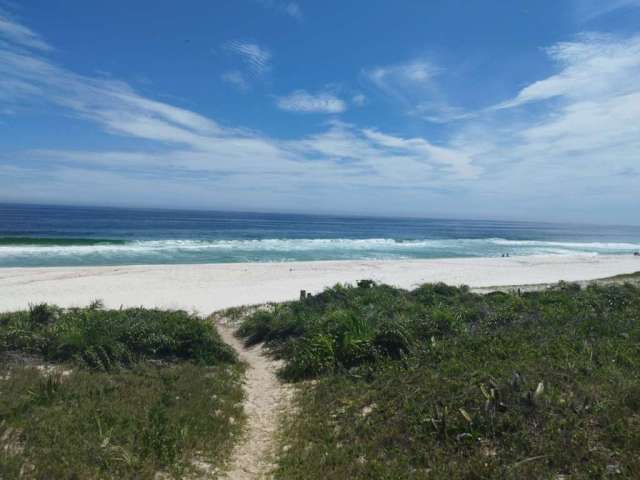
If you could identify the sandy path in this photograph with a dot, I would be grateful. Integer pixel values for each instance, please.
(266, 398)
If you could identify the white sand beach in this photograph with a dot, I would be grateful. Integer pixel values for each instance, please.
(206, 288)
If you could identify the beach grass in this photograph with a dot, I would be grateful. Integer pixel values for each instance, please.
(130, 393)
(440, 382)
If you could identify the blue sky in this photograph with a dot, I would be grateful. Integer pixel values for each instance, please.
(472, 109)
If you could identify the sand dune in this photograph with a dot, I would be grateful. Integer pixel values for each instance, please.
(207, 288)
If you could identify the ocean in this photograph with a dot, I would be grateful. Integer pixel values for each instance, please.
(33, 236)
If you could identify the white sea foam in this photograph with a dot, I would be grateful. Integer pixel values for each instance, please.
(324, 247)
(585, 245)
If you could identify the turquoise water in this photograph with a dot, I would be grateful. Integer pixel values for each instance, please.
(58, 236)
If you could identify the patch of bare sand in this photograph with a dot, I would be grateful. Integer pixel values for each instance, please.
(210, 288)
(266, 398)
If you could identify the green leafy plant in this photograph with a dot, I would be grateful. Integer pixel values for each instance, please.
(443, 383)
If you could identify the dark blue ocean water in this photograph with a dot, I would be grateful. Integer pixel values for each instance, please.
(51, 235)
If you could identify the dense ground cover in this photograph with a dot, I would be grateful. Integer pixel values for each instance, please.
(131, 393)
(440, 382)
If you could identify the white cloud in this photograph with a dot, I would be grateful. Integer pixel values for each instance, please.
(113, 104)
(415, 86)
(562, 141)
(303, 101)
(341, 150)
(591, 122)
(20, 35)
(593, 67)
(391, 78)
(256, 58)
(575, 157)
(236, 79)
(455, 160)
(438, 111)
(195, 151)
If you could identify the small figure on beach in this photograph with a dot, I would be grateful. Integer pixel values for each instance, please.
(636, 254)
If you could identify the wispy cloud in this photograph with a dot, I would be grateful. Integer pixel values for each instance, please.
(590, 9)
(111, 103)
(237, 79)
(393, 78)
(253, 66)
(303, 101)
(291, 9)
(419, 148)
(515, 155)
(363, 156)
(414, 85)
(20, 35)
(190, 148)
(437, 110)
(592, 67)
(255, 57)
(587, 132)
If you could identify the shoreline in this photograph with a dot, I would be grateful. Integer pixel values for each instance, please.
(209, 287)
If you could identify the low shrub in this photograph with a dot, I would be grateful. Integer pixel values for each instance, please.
(107, 339)
(370, 322)
(447, 384)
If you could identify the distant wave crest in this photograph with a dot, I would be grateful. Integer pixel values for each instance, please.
(24, 246)
(541, 243)
(47, 241)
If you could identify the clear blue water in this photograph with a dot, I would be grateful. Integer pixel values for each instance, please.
(57, 236)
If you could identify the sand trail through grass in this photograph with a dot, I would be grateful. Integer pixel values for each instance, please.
(266, 398)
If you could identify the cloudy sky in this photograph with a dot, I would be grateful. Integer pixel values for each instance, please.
(526, 109)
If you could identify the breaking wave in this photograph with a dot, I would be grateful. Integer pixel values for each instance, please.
(60, 251)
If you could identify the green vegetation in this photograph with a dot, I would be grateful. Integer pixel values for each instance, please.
(107, 339)
(131, 393)
(440, 382)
